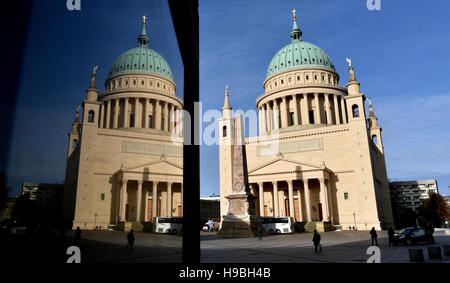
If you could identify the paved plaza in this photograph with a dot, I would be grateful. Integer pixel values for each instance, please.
(110, 246)
(339, 247)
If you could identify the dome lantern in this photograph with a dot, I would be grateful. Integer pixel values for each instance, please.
(296, 33)
(143, 38)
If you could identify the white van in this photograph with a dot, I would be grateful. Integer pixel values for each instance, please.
(277, 225)
(169, 225)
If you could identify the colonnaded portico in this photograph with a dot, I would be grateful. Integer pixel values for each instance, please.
(305, 193)
(142, 195)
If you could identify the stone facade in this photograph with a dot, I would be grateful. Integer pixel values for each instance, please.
(124, 159)
(318, 155)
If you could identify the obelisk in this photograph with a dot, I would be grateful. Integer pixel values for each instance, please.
(240, 220)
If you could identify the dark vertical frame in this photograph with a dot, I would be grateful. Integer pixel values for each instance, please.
(14, 19)
(186, 22)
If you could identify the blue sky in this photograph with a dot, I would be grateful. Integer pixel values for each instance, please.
(400, 55)
(62, 48)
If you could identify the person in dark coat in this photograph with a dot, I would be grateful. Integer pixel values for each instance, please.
(78, 235)
(260, 233)
(130, 238)
(374, 236)
(316, 241)
(391, 234)
(429, 230)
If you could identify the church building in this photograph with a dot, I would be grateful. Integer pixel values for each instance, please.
(318, 157)
(125, 154)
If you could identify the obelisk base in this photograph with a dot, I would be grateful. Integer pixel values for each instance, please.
(239, 226)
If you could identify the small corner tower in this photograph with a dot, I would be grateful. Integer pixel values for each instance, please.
(91, 106)
(374, 128)
(74, 134)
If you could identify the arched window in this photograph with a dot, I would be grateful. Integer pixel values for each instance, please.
(375, 139)
(91, 115)
(74, 144)
(224, 131)
(355, 111)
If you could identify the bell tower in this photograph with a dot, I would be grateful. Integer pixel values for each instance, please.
(375, 129)
(363, 162)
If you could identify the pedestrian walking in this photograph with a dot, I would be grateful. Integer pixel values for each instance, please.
(130, 238)
(259, 233)
(316, 241)
(391, 234)
(78, 235)
(373, 235)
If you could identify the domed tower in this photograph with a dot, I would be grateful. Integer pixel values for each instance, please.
(124, 164)
(140, 91)
(302, 84)
(314, 159)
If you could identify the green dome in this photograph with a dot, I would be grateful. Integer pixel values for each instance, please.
(298, 54)
(141, 59)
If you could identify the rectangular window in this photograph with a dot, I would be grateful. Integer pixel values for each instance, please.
(345, 195)
(131, 120)
(150, 121)
(291, 122)
(311, 116)
(102, 196)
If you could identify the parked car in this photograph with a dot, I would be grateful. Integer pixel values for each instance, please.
(411, 236)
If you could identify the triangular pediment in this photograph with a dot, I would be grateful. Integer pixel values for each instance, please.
(159, 166)
(280, 164)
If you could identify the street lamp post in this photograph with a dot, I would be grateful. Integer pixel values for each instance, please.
(95, 220)
(354, 218)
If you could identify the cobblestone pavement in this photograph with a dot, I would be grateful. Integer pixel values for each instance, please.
(340, 247)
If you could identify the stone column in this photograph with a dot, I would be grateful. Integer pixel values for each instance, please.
(305, 109)
(154, 199)
(276, 203)
(138, 201)
(300, 212)
(307, 200)
(261, 198)
(158, 115)
(317, 118)
(123, 200)
(102, 114)
(276, 115)
(270, 117)
(344, 116)
(260, 121)
(118, 200)
(291, 199)
(328, 108)
(108, 115)
(324, 199)
(330, 199)
(145, 205)
(147, 104)
(166, 118)
(169, 199)
(126, 119)
(336, 110)
(284, 113)
(137, 113)
(295, 122)
(267, 118)
(116, 113)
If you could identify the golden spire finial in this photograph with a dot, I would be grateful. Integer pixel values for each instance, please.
(226, 90)
(293, 12)
(143, 20)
